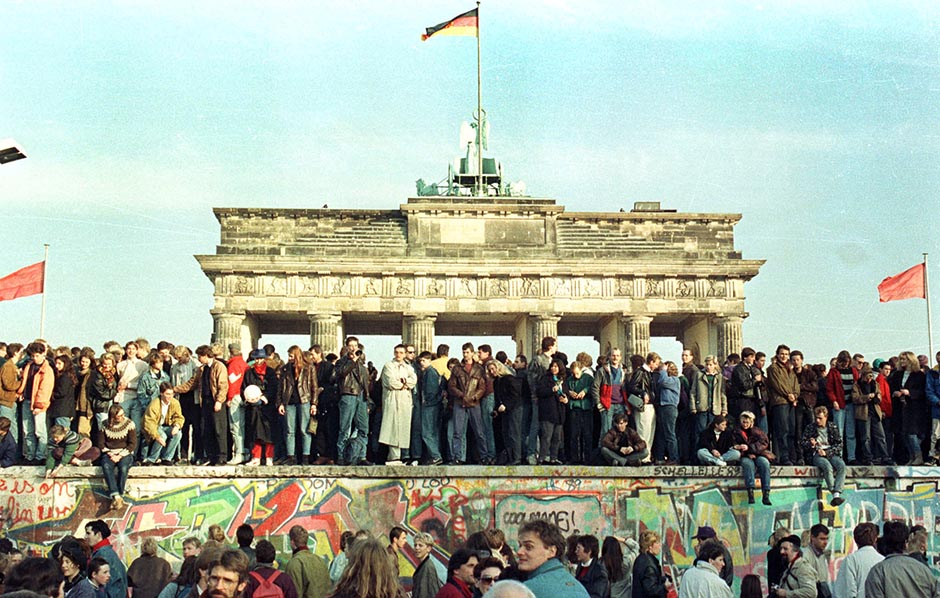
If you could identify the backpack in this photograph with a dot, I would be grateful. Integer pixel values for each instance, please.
(266, 587)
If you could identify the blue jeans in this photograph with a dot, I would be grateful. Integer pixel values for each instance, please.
(832, 469)
(582, 433)
(706, 458)
(168, 452)
(487, 405)
(352, 412)
(135, 411)
(34, 432)
(782, 422)
(912, 443)
(666, 416)
(607, 419)
(879, 444)
(850, 432)
(461, 416)
(530, 428)
(10, 413)
(702, 419)
(294, 412)
(762, 467)
(416, 450)
(431, 431)
(236, 426)
(115, 474)
(512, 435)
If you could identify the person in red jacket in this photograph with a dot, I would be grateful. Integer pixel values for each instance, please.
(883, 369)
(459, 575)
(839, 382)
(35, 395)
(236, 413)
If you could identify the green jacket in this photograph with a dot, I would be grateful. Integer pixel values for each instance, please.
(310, 574)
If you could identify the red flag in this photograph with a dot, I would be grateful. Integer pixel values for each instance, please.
(906, 285)
(24, 282)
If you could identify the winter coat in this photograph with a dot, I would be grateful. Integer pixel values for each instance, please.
(398, 380)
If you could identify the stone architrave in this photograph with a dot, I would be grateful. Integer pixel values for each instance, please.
(472, 266)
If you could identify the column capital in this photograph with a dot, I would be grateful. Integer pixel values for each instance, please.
(225, 313)
(637, 318)
(430, 317)
(543, 317)
(324, 316)
(730, 318)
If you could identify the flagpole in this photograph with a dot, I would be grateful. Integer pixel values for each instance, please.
(930, 354)
(479, 111)
(42, 310)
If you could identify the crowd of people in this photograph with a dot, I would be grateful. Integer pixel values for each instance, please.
(545, 565)
(137, 405)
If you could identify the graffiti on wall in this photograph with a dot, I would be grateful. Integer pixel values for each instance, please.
(37, 513)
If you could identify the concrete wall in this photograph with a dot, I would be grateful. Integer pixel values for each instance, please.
(452, 503)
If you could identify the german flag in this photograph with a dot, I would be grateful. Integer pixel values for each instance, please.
(465, 24)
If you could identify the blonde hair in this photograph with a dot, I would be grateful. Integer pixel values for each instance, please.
(647, 539)
(913, 364)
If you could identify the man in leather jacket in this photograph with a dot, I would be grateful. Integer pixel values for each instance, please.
(352, 379)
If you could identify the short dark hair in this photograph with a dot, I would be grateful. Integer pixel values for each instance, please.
(344, 539)
(467, 347)
(458, 559)
(548, 533)
(548, 342)
(865, 534)
(244, 535)
(395, 532)
(204, 351)
(895, 536)
(165, 386)
(486, 349)
(265, 552)
(590, 544)
(710, 549)
(620, 417)
(95, 564)
(426, 355)
(443, 350)
(36, 574)
(796, 353)
(34, 348)
(5, 424)
(817, 529)
(781, 348)
(99, 527)
(746, 352)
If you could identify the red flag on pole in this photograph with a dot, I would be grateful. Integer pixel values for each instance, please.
(906, 285)
(24, 282)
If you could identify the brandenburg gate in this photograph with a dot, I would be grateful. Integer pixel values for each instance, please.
(480, 266)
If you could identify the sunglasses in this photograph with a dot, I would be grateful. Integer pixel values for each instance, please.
(488, 579)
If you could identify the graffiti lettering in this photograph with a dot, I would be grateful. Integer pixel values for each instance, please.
(565, 520)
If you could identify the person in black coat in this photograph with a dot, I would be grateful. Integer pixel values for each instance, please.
(648, 578)
(909, 398)
(260, 411)
(507, 389)
(552, 404)
(591, 571)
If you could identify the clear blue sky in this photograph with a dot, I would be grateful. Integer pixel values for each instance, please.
(818, 121)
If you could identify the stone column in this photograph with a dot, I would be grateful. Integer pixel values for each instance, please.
(227, 328)
(418, 330)
(542, 325)
(610, 334)
(636, 335)
(730, 335)
(324, 331)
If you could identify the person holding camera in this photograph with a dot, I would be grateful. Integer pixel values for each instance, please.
(799, 578)
(352, 378)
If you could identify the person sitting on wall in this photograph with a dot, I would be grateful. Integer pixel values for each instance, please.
(823, 446)
(68, 448)
(716, 444)
(163, 422)
(621, 445)
(8, 449)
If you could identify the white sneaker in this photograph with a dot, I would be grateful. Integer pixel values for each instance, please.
(721, 463)
(254, 462)
(394, 463)
(235, 461)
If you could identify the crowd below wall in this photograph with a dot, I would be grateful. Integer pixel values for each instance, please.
(545, 564)
(139, 405)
